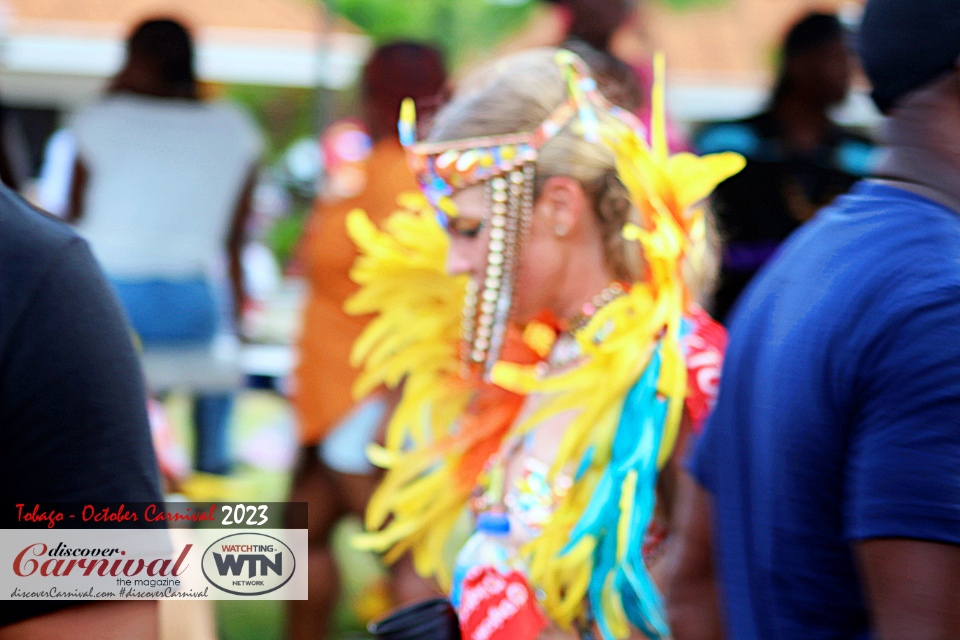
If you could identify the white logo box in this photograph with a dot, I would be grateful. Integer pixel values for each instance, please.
(120, 564)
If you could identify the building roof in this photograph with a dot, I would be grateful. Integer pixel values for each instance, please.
(118, 15)
(735, 41)
(60, 52)
(719, 58)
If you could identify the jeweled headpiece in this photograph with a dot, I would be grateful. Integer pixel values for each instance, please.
(505, 164)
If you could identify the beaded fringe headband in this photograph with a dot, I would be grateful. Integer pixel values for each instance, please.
(505, 164)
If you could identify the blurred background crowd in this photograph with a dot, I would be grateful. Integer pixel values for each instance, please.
(266, 121)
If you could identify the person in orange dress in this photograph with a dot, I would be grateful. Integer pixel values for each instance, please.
(332, 474)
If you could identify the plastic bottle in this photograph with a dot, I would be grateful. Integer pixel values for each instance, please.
(488, 546)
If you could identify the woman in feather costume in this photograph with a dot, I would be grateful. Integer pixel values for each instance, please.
(538, 309)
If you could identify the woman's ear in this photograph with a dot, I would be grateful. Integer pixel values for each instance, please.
(564, 203)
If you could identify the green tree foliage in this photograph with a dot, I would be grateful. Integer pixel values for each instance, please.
(460, 28)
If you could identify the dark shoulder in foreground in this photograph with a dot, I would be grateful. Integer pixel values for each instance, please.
(21, 222)
(73, 423)
(30, 240)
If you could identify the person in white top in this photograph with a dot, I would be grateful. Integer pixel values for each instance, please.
(161, 189)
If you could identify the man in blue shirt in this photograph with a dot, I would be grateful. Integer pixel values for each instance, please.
(826, 501)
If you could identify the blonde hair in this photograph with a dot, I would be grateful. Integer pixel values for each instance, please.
(515, 95)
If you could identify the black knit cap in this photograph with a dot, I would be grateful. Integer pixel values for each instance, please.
(905, 44)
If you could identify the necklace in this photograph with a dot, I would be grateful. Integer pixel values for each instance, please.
(609, 293)
(566, 349)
